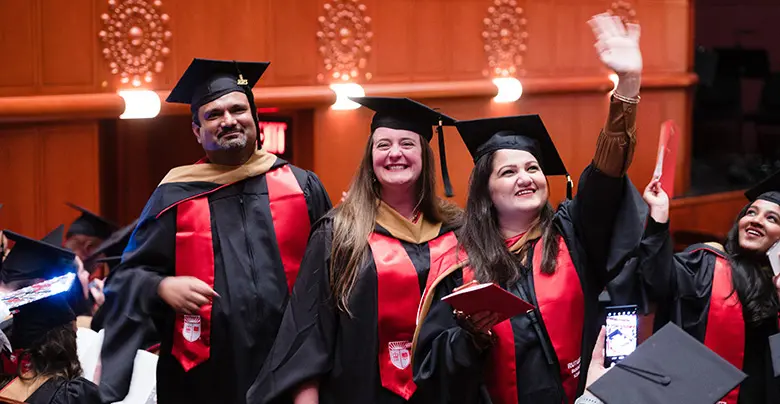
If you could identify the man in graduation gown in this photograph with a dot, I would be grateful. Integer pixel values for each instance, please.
(215, 253)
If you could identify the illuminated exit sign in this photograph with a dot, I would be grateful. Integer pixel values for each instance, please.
(272, 134)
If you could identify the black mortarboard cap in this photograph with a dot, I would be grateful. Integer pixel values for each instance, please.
(205, 80)
(55, 236)
(35, 259)
(110, 251)
(768, 189)
(408, 114)
(669, 367)
(32, 320)
(90, 224)
(521, 132)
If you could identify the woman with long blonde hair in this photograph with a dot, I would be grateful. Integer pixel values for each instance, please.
(347, 332)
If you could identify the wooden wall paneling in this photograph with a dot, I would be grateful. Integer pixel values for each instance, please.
(430, 40)
(677, 28)
(18, 45)
(292, 42)
(391, 57)
(70, 171)
(303, 138)
(233, 29)
(339, 141)
(466, 58)
(68, 45)
(560, 42)
(19, 168)
(711, 214)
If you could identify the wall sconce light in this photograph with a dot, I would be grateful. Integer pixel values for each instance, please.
(614, 79)
(509, 89)
(140, 104)
(343, 91)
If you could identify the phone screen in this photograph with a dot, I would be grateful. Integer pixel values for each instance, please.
(621, 333)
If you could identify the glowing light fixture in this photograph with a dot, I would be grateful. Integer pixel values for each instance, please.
(140, 104)
(614, 79)
(344, 90)
(509, 89)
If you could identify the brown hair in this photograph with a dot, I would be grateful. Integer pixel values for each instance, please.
(54, 354)
(481, 237)
(354, 219)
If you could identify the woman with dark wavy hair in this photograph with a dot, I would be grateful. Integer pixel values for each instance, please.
(724, 296)
(347, 332)
(558, 260)
(43, 366)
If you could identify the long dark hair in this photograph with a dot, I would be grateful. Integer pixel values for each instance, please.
(54, 354)
(481, 237)
(752, 284)
(354, 219)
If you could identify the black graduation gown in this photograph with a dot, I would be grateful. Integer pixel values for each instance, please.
(249, 277)
(61, 391)
(319, 342)
(601, 226)
(681, 284)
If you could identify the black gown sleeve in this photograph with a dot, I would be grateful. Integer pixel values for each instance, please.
(608, 215)
(317, 198)
(303, 349)
(448, 363)
(680, 284)
(647, 276)
(132, 298)
(60, 391)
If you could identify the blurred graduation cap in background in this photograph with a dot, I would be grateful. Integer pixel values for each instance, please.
(90, 224)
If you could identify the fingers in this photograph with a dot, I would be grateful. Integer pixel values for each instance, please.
(596, 24)
(601, 46)
(634, 32)
(201, 288)
(618, 26)
(190, 308)
(491, 322)
(598, 349)
(479, 317)
(198, 300)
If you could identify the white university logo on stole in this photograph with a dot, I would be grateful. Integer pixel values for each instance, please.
(191, 330)
(399, 353)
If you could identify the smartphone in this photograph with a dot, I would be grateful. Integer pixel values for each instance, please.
(773, 253)
(621, 333)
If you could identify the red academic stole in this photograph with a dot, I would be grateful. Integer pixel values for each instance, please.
(562, 307)
(725, 333)
(195, 254)
(398, 296)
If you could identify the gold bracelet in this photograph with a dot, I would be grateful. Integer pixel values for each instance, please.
(625, 99)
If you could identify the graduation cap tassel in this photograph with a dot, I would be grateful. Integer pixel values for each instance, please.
(443, 158)
(569, 186)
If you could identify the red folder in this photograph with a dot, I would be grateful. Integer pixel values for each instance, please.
(667, 157)
(487, 297)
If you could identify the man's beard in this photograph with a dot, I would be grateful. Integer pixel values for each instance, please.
(234, 143)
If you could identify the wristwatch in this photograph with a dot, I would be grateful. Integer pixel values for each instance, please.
(587, 398)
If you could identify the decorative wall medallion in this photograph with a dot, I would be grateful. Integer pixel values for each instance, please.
(135, 38)
(505, 39)
(344, 41)
(624, 10)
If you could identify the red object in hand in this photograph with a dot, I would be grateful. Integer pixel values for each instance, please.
(487, 297)
(667, 157)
